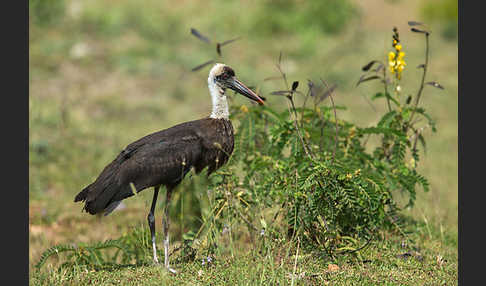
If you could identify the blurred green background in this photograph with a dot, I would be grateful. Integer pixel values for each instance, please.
(105, 73)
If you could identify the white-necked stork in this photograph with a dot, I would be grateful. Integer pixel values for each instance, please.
(165, 157)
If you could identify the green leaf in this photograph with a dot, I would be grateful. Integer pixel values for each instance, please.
(406, 114)
(422, 141)
(363, 78)
(263, 223)
(378, 95)
(369, 65)
(387, 95)
(387, 119)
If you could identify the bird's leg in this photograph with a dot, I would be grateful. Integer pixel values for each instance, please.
(165, 225)
(151, 222)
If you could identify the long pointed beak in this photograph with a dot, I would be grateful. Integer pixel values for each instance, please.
(239, 87)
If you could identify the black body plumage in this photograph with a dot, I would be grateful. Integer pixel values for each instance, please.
(160, 158)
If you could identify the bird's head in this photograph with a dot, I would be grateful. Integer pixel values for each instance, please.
(224, 77)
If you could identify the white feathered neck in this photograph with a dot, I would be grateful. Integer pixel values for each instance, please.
(218, 98)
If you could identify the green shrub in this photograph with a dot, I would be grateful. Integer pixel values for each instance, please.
(46, 12)
(445, 13)
(151, 22)
(331, 187)
(289, 16)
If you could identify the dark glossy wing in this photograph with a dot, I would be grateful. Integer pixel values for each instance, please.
(160, 158)
(164, 160)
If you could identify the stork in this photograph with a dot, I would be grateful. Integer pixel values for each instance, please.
(163, 158)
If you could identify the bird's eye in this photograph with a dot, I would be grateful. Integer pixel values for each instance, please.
(223, 76)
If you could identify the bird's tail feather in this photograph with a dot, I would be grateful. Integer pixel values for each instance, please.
(82, 195)
(105, 200)
(102, 200)
(102, 194)
(111, 207)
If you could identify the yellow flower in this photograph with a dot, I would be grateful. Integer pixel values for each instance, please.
(391, 61)
(401, 67)
(352, 132)
(412, 163)
(392, 65)
(396, 63)
(244, 108)
(395, 58)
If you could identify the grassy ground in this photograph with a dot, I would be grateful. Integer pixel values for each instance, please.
(386, 263)
(99, 80)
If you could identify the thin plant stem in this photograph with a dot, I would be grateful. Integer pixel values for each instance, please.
(422, 83)
(304, 144)
(303, 108)
(386, 89)
(335, 118)
(284, 77)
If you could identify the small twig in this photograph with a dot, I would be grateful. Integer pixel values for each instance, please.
(366, 140)
(289, 97)
(303, 108)
(386, 89)
(175, 249)
(278, 211)
(357, 249)
(306, 148)
(246, 220)
(335, 118)
(419, 93)
(281, 72)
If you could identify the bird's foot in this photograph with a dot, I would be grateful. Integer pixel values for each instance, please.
(171, 270)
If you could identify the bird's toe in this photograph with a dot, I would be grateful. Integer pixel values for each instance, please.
(171, 270)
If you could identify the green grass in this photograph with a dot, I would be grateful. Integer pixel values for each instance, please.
(387, 262)
(99, 80)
